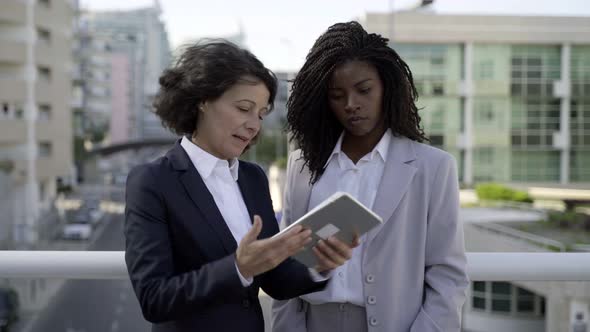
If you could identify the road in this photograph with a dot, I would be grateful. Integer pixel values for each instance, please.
(95, 305)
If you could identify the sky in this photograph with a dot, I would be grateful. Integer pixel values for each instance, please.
(280, 33)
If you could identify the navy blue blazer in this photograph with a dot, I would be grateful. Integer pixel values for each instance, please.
(180, 253)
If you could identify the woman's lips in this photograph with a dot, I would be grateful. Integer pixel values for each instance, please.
(355, 120)
(242, 138)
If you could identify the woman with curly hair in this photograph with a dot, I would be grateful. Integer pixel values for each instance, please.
(352, 112)
(195, 258)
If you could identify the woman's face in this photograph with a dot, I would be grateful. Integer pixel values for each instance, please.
(355, 95)
(228, 124)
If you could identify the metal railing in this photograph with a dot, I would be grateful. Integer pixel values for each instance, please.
(514, 266)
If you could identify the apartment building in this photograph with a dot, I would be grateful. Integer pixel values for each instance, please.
(35, 107)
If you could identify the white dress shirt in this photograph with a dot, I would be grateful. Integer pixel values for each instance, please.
(360, 181)
(220, 177)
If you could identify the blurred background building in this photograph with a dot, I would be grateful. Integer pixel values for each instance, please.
(508, 96)
(139, 51)
(36, 116)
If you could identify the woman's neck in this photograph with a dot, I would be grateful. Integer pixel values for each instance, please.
(356, 147)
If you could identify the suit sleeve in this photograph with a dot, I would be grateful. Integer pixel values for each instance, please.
(290, 278)
(288, 315)
(163, 294)
(445, 271)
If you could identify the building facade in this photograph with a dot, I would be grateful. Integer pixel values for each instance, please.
(35, 99)
(140, 35)
(506, 95)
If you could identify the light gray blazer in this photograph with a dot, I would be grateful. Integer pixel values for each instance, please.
(414, 263)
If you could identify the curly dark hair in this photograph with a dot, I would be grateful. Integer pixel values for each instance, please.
(314, 127)
(202, 73)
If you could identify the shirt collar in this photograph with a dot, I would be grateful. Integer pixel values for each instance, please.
(380, 149)
(205, 162)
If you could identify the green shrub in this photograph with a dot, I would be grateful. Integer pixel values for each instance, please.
(521, 196)
(498, 192)
(567, 219)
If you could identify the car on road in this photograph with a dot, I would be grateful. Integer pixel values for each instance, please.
(76, 231)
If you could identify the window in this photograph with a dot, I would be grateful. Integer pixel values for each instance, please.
(506, 299)
(486, 70)
(5, 111)
(501, 296)
(437, 60)
(479, 295)
(516, 140)
(438, 89)
(484, 156)
(516, 89)
(44, 35)
(419, 87)
(526, 300)
(42, 187)
(44, 73)
(437, 140)
(44, 112)
(45, 149)
(484, 114)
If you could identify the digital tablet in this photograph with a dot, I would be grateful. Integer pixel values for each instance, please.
(340, 215)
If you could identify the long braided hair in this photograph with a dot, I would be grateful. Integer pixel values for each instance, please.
(313, 125)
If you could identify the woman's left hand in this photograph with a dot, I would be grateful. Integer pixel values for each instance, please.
(332, 253)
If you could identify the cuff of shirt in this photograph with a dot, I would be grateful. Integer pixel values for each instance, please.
(245, 282)
(319, 277)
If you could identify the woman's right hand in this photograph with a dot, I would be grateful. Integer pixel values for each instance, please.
(255, 257)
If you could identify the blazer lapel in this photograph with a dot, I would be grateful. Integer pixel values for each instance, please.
(246, 190)
(200, 195)
(250, 187)
(397, 176)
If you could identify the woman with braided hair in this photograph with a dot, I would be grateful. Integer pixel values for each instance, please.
(353, 114)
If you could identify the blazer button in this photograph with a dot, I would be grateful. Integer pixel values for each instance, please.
(371, 300)
(373, 321)
(246, 303)
(370, 278)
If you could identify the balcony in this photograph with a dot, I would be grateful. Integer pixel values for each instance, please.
(44, 53)
(12, 89)
(43, 91)
(13, 11)
(12, 131)
(44, 15)
(13, 52)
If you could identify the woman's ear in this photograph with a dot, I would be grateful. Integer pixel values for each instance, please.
(203, 107)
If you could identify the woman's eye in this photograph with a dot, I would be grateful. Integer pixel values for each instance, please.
(365, 91)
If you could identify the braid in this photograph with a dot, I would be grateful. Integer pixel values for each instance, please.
(313, 126)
